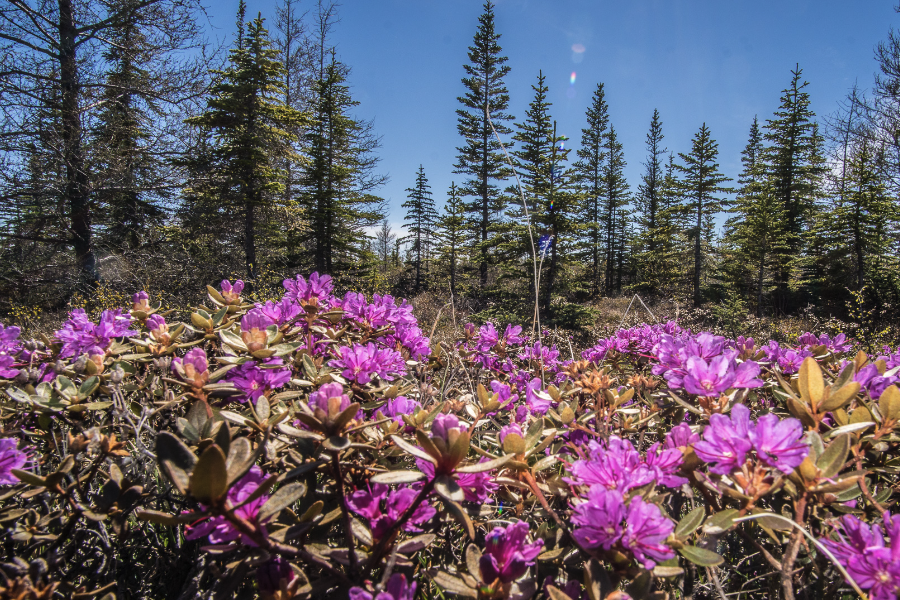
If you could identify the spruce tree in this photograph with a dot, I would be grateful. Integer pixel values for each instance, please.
(649, 207)
(452, 232)
(701, 188)
(865, 222)
(421, 218)
(123, 167)
(794, 168)
(755, 234)
(480, 157)
(251, 124)
(589, 172)
(546, 183)
(337, 185)
(613, 212)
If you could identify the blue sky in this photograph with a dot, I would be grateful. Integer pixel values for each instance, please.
(719, 62)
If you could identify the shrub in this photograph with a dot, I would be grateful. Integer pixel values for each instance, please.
(321, 446)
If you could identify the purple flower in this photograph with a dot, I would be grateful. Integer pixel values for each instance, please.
(271, 574)
(726, 441)
(156, 325)
(512, 335)
(219, 529)
(599, 519)
(746, 375)
(396, 589)
(537, 400)
(708, 379)
(548, 357)
(446, 427)
(330, 399)
(681, 436)
(193, 368)
(140, 301)
(646, 530)
(232, 293)
(664, 463)
(255, 379)
(281, 313)
(861, 549)
(78, 333)
(504, 393)
(253, 329)
(476, 487)
(395, 408)
(506, 554)
(9, 348)
(10, 458)
(508, 429)
(318, 288)
(615, 465)
(778, 443)
(360, 363)
(368, 504)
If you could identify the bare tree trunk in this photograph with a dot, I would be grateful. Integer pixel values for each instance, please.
(73, 152)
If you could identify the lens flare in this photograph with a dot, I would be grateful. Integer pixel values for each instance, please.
(578, 48)
(572, 78)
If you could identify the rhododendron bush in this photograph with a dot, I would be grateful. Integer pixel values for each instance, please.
(320, 446)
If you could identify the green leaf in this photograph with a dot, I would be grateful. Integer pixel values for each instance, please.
(701, 556)
(283, 498)
(410, 449)
(835, 456)
(89, 386)
(396, 477)
(721, 521)
(209, 479)
(690, 522)
(449, 489)
(176, 461)
(488, 465)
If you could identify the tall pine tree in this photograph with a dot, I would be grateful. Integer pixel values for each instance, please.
(649, 208)
(453, 235)
(589, 172)
(480, 157)
(251, 124)
(794, 168)
(421, 217)
(613, 212)
(701, 189)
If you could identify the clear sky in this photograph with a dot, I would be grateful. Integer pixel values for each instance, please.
(714, 61)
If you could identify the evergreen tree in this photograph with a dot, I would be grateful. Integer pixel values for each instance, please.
(701, 186)
(613, 212)
(649, 207)
(589, 169)
(864, 224)
(421, 217)
(481, 158)
(546, 184)
(250, 122)
(755, 235)
(794, 167)
(452, 234)
(124, 168)
(337, 185)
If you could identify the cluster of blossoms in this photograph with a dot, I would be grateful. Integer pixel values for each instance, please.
(603, 517)
(729, 441)
(10, 458)
(507, 554)
(10, 346)
(383, 508)
(789, 359)
(79, 335)
(617, 465)
(254, 379)
(360, 363)
(872, 560)
(219, 530)
(400, 327)
(703, 364)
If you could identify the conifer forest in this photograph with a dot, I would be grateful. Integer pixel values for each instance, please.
(232, 367)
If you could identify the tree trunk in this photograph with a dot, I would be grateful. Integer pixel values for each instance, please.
(73, 152)
(698, 257)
